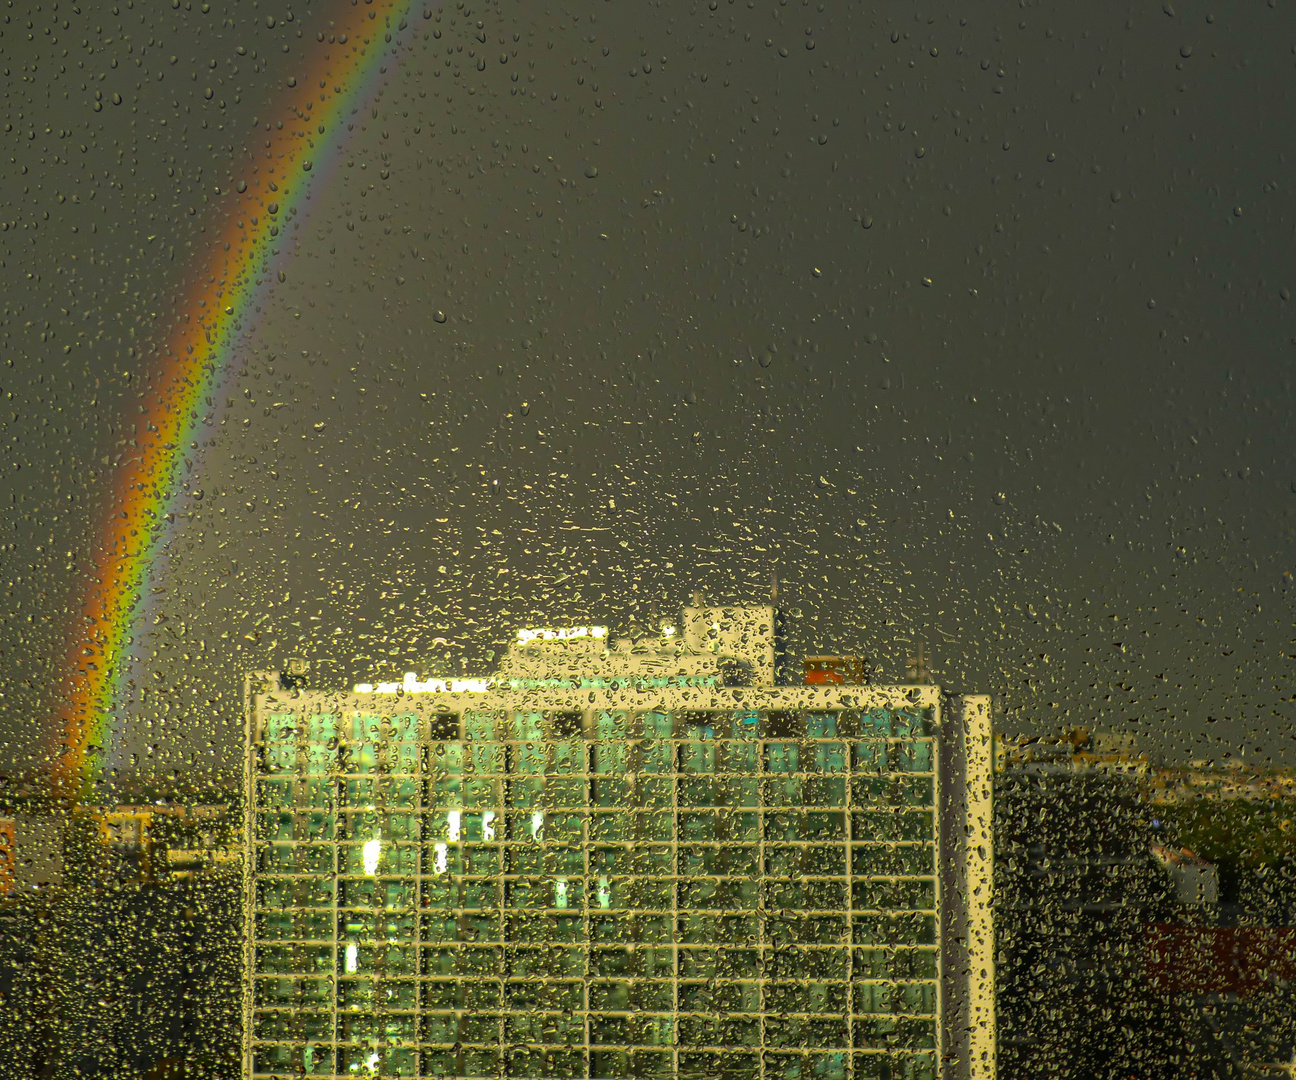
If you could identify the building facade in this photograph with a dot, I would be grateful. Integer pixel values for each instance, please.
(619, 860)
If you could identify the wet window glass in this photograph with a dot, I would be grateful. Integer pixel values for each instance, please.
(709, 538)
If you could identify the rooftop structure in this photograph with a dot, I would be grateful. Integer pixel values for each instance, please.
(1196, 880)
(619, 859)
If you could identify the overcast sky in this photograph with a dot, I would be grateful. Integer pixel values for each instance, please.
(973, 328)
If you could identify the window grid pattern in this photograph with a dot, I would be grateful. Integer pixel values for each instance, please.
(609, 894)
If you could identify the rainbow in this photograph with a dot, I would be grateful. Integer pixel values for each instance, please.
(226, 294)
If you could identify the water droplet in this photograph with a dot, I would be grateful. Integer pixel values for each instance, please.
(306, 166)
(591, 171)
(439, 316)
(242, 186)
(270, 21)
(526, 408)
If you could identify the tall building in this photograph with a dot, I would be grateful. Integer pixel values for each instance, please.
(619, 859)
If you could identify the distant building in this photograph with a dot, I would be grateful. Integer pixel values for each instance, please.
(1227, 954)
(620, 859)
(1077, 749)
(153, 842)
(1196, 881)
(31, 853)
(1076, 891)
(1170, 786)
(1121, 947)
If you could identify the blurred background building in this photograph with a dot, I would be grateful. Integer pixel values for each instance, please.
(118, 934)
(1143, 913)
